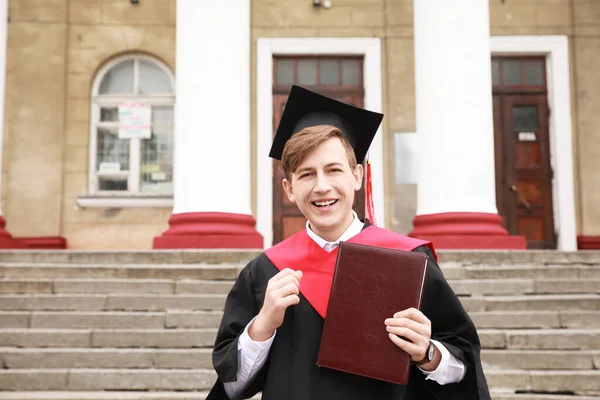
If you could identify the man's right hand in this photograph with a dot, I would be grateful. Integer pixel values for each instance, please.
(282, 291)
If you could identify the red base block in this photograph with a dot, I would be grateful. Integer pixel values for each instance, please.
(210, 230)
(11, 243)
(588, 242)
(45, 242)
(462, 230)
(6, 239)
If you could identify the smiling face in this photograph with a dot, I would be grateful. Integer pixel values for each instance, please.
(323, 187)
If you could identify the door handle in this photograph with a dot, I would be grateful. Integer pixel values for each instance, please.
(521, 197)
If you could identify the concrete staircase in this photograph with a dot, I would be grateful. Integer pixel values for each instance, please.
(140, 325)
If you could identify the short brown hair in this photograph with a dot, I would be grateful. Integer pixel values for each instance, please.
(308, 139)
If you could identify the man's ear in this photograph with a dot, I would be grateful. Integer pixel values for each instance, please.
(358, 177)
(289, 191)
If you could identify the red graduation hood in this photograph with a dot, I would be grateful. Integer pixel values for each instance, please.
(300, 252)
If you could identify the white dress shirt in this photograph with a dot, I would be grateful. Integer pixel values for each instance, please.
(253, 355)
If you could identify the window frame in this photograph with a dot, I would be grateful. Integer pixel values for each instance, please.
(103, 101)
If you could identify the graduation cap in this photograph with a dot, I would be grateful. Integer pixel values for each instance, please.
(305, 108)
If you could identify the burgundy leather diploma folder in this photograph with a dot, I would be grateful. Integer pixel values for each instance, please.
(370, 284)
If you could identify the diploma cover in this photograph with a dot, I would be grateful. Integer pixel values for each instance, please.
(370, 284)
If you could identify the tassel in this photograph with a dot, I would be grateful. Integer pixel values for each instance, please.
(369, 206)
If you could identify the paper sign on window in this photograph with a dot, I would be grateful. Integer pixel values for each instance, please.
(134, 120)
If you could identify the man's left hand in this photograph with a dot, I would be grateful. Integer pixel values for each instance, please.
(411, 331)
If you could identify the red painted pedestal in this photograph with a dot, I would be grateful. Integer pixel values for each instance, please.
(462, 230)
(210, 230)
(6, 239)
(588, 242)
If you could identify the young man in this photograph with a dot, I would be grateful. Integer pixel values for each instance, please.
(271, 329)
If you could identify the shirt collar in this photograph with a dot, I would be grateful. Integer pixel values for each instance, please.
(354, 229)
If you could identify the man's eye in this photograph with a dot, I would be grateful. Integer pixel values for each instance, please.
(335, 170)
(304, 176)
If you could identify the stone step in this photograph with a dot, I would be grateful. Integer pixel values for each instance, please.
(110, 319)
(579, 382)
(462, 287)
(481, 287)
(540, 339)
(549, 286)
(31, 358)
(111, 302)
(533, 272)
(100, 257)
(525, 396)
(215, 302)
(99, 285)
(17, 358)
(584, 382)
(541, 359)
(508, 257)
(584, 319)
(485, 257)
(216, 272)
(539, 302)
(136, 395)
(581, 319)
(107, 379)
(159, 338)
(543, 302)
(132, 395)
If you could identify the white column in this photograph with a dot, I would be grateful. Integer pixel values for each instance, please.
(212, 113)
(454, 107)
(3, 45)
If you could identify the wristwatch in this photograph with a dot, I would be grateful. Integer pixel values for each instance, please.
(429, 354)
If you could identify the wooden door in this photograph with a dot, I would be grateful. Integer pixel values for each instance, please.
(287, 218)
(524, 177)
(522, 149)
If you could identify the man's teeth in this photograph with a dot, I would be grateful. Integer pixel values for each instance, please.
(325, 203)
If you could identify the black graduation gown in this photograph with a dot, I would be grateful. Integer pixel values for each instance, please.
(291, 373)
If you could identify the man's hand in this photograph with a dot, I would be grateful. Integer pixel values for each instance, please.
(411, 331)
(282, 291)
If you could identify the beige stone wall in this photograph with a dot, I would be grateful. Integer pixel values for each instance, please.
(56, 48)
(585, 56)
(99, 31)
(34, 117)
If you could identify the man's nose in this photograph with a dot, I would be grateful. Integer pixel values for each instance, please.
(322, 185)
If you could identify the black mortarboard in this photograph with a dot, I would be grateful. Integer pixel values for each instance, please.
(305, 108)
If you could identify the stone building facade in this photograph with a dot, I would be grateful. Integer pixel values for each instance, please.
(56, 183)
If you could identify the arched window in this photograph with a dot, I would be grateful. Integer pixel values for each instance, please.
(132, 129)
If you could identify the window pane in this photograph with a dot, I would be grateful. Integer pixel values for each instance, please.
(307, 72)
(153, 79)
(112, 183)
(330, 72)
(162, 115)
(495, 72)
(156, 172)
(285, 72)
(112, 153)
(119, 79)
(109, 114)
(525, 119)
(351, 72)
(534, 72)
(511, 72)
